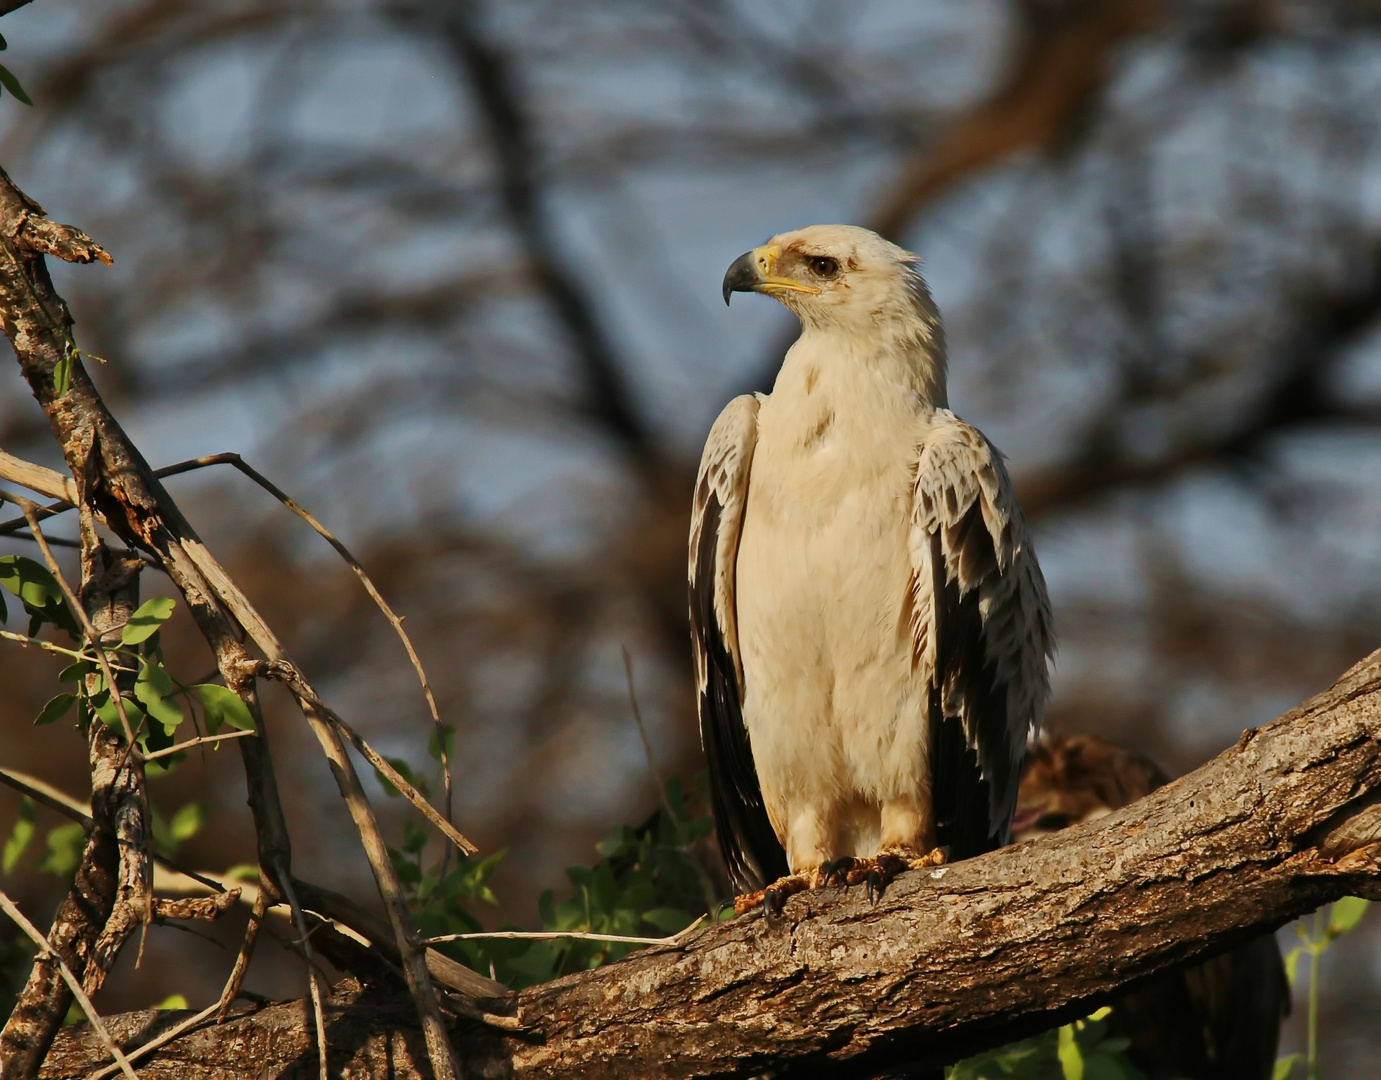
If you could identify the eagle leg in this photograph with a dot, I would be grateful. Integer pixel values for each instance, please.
(775, 895)
(877, 873)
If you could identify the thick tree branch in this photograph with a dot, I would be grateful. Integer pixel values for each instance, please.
(950, 961)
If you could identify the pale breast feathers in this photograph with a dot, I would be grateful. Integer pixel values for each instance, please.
(981, 630)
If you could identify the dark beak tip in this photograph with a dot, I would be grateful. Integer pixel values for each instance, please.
(742, 276)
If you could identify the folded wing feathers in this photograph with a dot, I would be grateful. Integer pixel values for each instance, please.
(958, 470)
(747, 841)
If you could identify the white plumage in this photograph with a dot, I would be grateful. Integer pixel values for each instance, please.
(871, 626)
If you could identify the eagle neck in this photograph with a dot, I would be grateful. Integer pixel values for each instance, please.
(907, 353)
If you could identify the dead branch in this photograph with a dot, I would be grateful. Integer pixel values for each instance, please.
(195, 907)
(950, 961)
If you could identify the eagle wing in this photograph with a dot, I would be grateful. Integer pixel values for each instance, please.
(982, 632)
(750, 847)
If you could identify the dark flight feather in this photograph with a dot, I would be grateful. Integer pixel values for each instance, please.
(751, 851)
(972, 774)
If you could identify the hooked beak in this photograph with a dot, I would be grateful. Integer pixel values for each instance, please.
(755, 271)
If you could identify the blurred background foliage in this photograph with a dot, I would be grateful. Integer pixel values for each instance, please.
(448, 272)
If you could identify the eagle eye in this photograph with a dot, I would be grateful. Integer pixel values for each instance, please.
(823, 266)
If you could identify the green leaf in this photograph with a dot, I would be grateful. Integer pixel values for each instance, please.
(56, 709)
(172, 1001)
(65, 846)
(188, 821)
(1071, 1057)
(1285, 1066)
(20, 836)
(75, 672)
(10, 83)
(149, 616)
(1346, 914)
(223, 708)
(110, 715)
(154, 688)
(39, 592)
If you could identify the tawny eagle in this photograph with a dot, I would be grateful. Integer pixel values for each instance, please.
(870, 624)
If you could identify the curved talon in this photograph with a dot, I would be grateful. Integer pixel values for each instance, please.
(876, 883)
(837, 869)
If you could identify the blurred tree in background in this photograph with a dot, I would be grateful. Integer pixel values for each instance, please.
(448, 272)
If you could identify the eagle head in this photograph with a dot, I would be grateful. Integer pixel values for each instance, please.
(833, 274)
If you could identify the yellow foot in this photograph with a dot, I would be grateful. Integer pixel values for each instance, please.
(774, 896)
(877, 872)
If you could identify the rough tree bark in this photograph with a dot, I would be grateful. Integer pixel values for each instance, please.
(950, 961)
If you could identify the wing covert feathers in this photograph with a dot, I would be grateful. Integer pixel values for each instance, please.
(749, 845)
(982, 628)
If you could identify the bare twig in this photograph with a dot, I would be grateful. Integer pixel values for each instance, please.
(195, 907)
(97, 449)
(273, 489)
(43, 792)
(578, 935)
(197, 742)
(313, 979)
(642, 734)
(72, 982)
(45, 481)
(241, 966)
(284, 672)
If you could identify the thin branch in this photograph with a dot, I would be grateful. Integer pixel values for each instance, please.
(45, 481)
(43, 792)
(273, 489)
(284, 672)
(313, 979)
(48, 646)
(642, 734)
(1060, 61)
(198, 742)
(579, 935)
(30, 510)
(73, 984)
(162, 1039)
